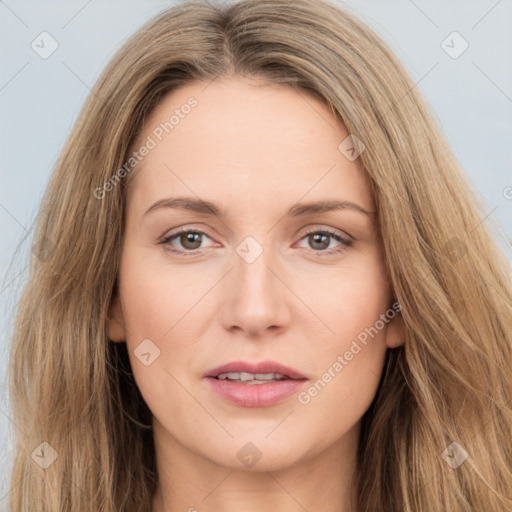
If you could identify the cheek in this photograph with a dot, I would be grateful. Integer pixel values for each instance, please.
(155, 301)
(348, 368)
(344, 302)
(158, 305)
(349, 346)
(158, 298)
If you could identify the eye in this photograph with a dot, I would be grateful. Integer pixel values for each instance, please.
(319, 240)
(190, 240)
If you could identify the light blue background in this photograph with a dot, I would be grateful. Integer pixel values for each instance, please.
(40, 99)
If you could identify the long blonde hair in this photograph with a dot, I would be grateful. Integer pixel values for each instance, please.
(451, 382)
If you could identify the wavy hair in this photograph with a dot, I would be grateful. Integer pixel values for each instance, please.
(451, 381)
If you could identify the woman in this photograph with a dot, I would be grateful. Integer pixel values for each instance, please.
(337, 335)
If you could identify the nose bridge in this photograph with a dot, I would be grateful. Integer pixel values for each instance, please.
(251, 262)
(255, 300)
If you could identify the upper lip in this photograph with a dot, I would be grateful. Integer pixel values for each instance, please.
(261, 367)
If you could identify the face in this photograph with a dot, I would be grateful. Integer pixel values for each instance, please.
(259, 274)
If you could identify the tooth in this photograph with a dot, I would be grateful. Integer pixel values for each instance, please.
(264, 376)
(223, 376)
(251, 377)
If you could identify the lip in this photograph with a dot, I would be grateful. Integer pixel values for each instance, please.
(261, 367)
(255, 395)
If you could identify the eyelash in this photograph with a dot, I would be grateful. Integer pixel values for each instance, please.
(345, 242)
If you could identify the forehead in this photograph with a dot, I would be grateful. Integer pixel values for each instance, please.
(246, 140)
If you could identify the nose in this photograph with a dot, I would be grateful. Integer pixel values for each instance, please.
(256, 299)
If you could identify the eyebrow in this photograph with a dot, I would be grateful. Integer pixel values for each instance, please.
(300, 209)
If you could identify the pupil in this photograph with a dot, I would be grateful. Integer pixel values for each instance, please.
(189, 237)
(320, 238)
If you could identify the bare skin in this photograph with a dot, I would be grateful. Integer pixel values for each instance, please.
(255, 150)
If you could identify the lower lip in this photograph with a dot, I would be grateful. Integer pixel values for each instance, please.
(255, 395)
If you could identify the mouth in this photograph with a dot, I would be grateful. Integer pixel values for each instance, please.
(255, 384)
(265, 372)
